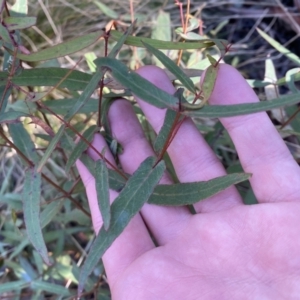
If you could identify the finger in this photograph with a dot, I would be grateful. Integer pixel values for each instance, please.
(164, 222)
(134, 240)
(191, 156)
(262, 152)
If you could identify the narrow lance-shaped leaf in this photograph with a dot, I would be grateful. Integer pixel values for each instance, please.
(50, 288)
(49, 77)
(117, 47)
(172, 67)
(207, 87)
(193, 192)
(102, 188)
(290, 79)
(212, 60)
(116, 181)
(14, 23)
(293, 57)
(62, 49)
(106, 10)
(50, 212)
(5, 92)
(4, 34)
(85, 95)
(138, 42)
(136, 192)
(12, 116)
(138, 85)
(51, 147)
(164, 132)
(31, 207)
(221, 111)
(23, 141)
(8, 287)
(80, 147)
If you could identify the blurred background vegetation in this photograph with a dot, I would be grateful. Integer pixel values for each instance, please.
(67, 230)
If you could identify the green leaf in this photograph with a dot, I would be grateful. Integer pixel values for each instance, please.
(31, 208)
(13, 286)
(138, 42)
(11, 116)
(136, 192)
(85, 95)
(49, 287)
(51, 147)
(164, 132)
(116, 181)
(62, 49)
(211, 59)
(14, 23)
(117, 47)
(106, 10)
(23, 141)
(20, 7)
(50, 212)
(221, 111)
(207, 87)
(293, 57)
(193, 192)
(49, 77)
(80, 147)
(290, 77)
(90, 57)
(4, 34)
(138, 85)
(161, 30)
(102, 188)
(209, 82)
(172, 67)
(5, 92)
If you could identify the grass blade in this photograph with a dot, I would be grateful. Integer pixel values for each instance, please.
(221, 111)
(31, 207)
(138, 85)
(62, 49)
(102, 188)
(193, 192)
(80, 147)
(136, 192)
(293, 57)
(106, 10)
(172, 67)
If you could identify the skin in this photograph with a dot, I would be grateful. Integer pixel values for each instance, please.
(227, 250)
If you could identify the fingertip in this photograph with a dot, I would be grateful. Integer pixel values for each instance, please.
(231, 88)
(100, 145)
(158, 77)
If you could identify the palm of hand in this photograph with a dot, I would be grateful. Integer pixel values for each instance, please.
(227, 250)
(242, 253)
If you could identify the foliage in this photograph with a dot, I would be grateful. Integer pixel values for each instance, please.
(45, 106)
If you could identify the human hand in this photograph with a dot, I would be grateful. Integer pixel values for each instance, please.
(227, 250)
